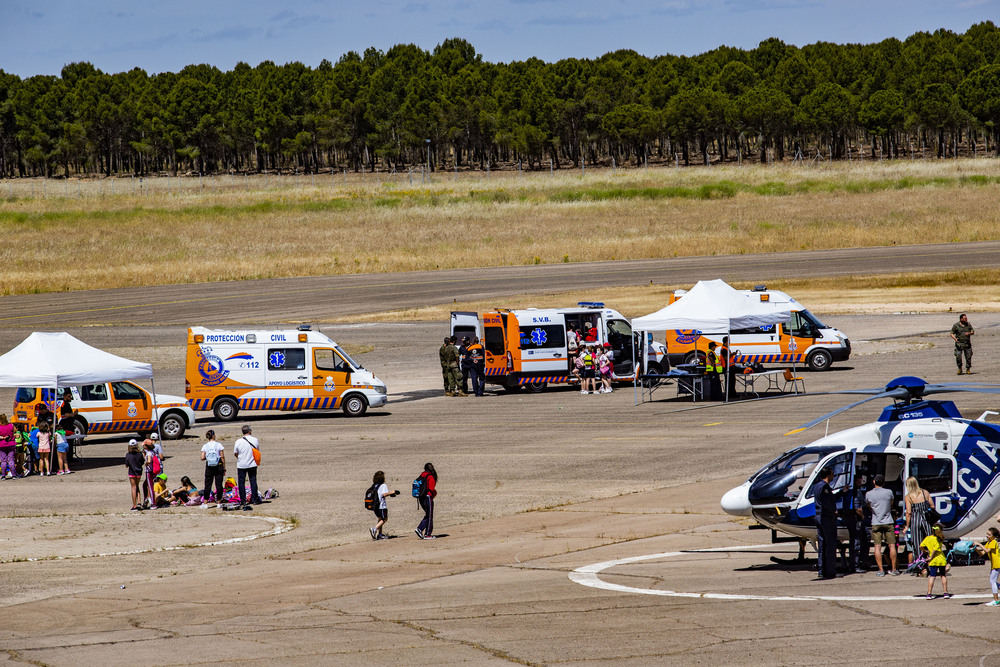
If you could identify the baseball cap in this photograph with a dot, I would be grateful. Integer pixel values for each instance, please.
(162, 476)
(154, 436)
(133, 442)
(607, 345)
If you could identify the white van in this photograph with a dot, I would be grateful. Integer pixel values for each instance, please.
(302, 369)
(803, 340)
(529, 347)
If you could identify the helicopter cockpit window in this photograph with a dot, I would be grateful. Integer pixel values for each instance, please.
(782, 480)
(934, 475)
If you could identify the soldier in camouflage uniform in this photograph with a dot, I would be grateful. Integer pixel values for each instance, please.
(449, 390)
(454, 373)
(961, 333)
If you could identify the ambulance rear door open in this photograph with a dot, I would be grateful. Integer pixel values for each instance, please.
(494, 342)
(465, 324)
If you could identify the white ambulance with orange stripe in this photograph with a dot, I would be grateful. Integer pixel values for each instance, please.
(802, 340)
(301, 369)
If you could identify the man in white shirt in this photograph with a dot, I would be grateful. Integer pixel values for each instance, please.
(246, 466)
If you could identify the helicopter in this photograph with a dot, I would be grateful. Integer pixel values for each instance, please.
(953, 458)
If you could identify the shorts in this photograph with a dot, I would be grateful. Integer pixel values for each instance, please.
(62, 448)
(131, 476)
(937, 570)
(883, 533)
(588, 374)
(381, 514)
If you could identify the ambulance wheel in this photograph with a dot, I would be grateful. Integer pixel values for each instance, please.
(79, 427)
(654, 368)
(819, 360)
(511, 386)
(225, 409)
(355, 405)
(695, 358)
(172, 426)
(536, 387)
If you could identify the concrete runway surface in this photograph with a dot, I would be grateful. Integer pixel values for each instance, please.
(533, 487)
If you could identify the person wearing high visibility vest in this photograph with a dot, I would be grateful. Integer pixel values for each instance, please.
(714, 367)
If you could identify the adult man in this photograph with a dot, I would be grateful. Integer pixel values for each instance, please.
(454, 376)
(883, 530)
(714, 369)
(852, 511)
(961, 333)
(246, 466)
(478, 368)
(442, 353)
(826, 524)
(466, 364)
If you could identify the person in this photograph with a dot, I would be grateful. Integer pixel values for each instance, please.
(604, 368)
(713, 369)
(214, 456)
(961, 333)
(826, 524)
(572, 344)
(879, 499)
(381, 509)
(161, 495)
(937, 564)
(33, 456)
(853, 515)
(246, 466)
(157, 446)
(577, 368)
(589, 370)
(22, 452)
(62, 450)
(66, 411)
(425, 530)
(478, 368)
(991, 549)
(134, 461)
(153, 467)
(44, 448)
(442, 352)
(186, 493)
(589, 333)
(454, 369)
(917, 501)
(8, 449)
(465, 363)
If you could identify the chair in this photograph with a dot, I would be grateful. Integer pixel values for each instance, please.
(794, 381)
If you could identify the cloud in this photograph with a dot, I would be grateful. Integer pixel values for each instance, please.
(415, 8)
(492, 24)
(676, 8)
(580, 20)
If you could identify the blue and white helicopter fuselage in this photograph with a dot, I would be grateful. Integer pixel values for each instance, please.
(954, 459)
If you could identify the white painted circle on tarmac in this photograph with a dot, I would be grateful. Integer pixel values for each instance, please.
(588, 576)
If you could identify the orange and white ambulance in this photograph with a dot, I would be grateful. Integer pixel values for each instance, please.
(302, 369)
(804, 339)
(110, 407)
(530, 347)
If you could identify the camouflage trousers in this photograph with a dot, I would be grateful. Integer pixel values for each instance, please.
(453, 379)
(967, 351)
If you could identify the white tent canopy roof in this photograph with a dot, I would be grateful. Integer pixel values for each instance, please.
(712, 306)
(60, 360)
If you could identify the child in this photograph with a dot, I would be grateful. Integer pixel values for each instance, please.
(44, 448)
(186, 493)
(937, 564)
(161, 496)
(62, 450)
(380, 509)
(134, 461)
(992, 550)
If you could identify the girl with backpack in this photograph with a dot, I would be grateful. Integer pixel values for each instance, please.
(425, 499)
(134, 461)
(214, 456)
(153, 469)
(380, 508)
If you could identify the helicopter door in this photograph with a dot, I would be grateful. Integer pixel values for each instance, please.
(843, 472)
(934, 472)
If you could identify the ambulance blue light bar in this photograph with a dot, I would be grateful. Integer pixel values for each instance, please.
(590, 304)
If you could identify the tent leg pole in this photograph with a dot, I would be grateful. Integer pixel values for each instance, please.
(153, 411)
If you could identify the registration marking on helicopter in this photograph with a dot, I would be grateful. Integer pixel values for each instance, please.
(588, 576)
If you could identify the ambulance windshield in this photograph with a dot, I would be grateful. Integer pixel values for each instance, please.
(348, 358)
(811, 319)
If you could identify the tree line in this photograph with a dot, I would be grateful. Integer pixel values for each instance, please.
(448, 109)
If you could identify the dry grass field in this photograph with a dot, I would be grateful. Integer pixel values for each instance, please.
(101, 234)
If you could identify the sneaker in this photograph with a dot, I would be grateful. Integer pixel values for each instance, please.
(947, 595)
(930, 597)
(584, 392)
(994, 603)
(247, 508)
(382, 536)
(373, 533)
(895, 573)
(9, 476)
(430, 537)
(135, 508)
(419, 534)
(880, 574)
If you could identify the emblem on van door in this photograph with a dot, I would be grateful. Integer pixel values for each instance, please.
(211, 368)
(538, 337)
(688, 336)
(277, 359)
(132, 411)
(329, 384)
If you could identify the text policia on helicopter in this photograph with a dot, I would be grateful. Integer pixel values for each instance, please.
(534, 347)
(229, 371)
(803, 339)
(953, 458)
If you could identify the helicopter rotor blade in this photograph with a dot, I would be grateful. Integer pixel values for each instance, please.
(899, 392)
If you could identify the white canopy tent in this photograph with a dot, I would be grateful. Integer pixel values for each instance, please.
(59, 360)
(712, 306)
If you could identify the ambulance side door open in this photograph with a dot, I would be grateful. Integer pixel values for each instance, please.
(287, 374)
(619, 335)
(331, 374)
(129, 402)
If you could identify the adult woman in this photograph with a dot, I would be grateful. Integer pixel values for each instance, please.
(7, 448)
(917, 502)
(134, 461)
(426, 501)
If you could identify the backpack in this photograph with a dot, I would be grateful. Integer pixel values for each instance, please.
(420, 487)
(156, 466)
(212, 458)
(371, 498)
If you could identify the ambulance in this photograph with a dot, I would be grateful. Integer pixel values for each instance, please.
(301, 369)
(110, 407)
(529, 347)
(803, 340)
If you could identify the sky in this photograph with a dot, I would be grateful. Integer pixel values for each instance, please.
(41, 36)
